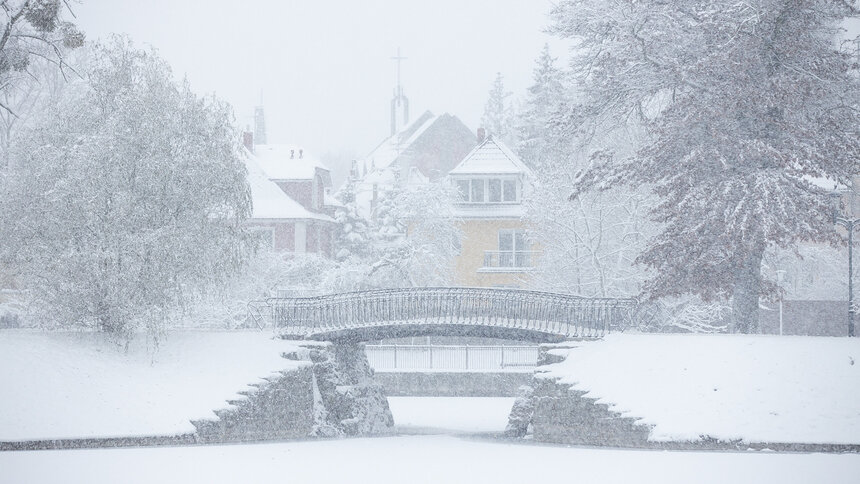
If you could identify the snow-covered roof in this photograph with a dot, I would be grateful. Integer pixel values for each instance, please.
(270, 202)
(390, 149)
(491, 157)
(282, 162)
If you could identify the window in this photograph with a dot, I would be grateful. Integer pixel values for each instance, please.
(495, 190)
(510, 191)
(481, 190)
(477, 191)
(463, 189)
(514, 249)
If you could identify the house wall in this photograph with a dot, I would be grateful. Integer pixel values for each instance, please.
(283, 233)
(480, 236)
(309, 193)
(299, 190)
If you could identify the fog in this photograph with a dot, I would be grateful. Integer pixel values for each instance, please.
(324, 69)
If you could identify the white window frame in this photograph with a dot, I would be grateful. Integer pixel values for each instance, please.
(485, 189)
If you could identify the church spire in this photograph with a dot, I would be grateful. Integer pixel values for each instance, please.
(399, 101)
(259, 123)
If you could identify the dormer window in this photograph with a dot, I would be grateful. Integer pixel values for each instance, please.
(477, 191)
(463, 190)
(495, 191)
(487, 190)
(510, 191)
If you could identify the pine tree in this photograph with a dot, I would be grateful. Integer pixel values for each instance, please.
(744, 104)
(498, 119)
(543, 98)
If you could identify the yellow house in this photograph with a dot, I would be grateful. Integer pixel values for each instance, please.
(491, 181)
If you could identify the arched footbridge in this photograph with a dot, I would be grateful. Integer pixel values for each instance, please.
(447, 311)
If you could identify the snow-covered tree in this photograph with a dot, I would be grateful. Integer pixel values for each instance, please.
(543, 98)
(33, 28)
(498, 116)
(127, 199)
(353, 239)
(744, 103)
(415, 237)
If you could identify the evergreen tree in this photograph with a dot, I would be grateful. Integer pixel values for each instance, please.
(544, 96)
(744, 104)
(498, 118)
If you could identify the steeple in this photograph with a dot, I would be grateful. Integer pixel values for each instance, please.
(259, 123)
(399, 101)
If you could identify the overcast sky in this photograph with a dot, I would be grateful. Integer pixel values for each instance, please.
(324, 67)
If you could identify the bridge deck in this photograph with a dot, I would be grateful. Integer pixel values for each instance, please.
(503, 313)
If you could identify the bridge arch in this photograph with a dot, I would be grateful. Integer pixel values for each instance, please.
(518, 314)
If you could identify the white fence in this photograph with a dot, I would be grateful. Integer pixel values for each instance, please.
(451, 358)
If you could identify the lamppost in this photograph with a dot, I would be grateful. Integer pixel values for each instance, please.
(850, 224)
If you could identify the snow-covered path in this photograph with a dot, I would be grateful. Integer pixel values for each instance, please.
(417, 459)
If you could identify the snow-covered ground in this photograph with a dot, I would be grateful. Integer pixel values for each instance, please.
(450, 414)
(74, 385)
(418, 459)
(754, 388)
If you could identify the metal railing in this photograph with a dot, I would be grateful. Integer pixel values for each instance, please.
(508, 259)
(451, 357)
(561, 315)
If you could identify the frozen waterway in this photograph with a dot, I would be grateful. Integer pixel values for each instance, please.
(418, 459)
(450, 414)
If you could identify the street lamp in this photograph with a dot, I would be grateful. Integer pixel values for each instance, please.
(850, 224)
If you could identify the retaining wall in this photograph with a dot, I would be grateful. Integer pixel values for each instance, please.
(452, 384)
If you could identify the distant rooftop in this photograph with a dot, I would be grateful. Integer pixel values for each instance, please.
(287, 162)
(269, 201)
(491, 157)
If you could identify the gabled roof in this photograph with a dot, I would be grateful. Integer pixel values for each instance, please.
(282, 162)
(269, 201)
(391, 148)
(491, 157)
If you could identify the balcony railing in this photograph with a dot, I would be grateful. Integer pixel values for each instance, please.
(509, 259)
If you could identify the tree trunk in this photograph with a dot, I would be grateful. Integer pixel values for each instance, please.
(745, 296)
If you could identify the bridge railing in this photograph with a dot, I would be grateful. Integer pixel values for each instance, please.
(552, 313)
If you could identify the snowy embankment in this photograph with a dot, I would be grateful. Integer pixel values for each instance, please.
(790, 389)
(77, 385)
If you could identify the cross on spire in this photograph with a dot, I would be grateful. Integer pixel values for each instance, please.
(399, 59)
(399, 100)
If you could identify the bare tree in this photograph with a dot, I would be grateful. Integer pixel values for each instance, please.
(33, 29)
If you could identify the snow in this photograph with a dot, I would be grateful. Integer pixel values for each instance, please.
(77, 385)
(419, 459)
(451, 414)
(269, 201)
(276, 162)
(491, 157)
(753, 388)
(389, 150)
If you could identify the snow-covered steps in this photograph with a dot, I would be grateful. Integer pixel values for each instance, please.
(702, 391)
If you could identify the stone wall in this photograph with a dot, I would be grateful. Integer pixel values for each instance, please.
(333, 395)
(553, 412)
(452, 384)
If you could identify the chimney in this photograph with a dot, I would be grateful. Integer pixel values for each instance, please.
(301, 153)
(482, 135)
(248, 140)
(292, 154)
